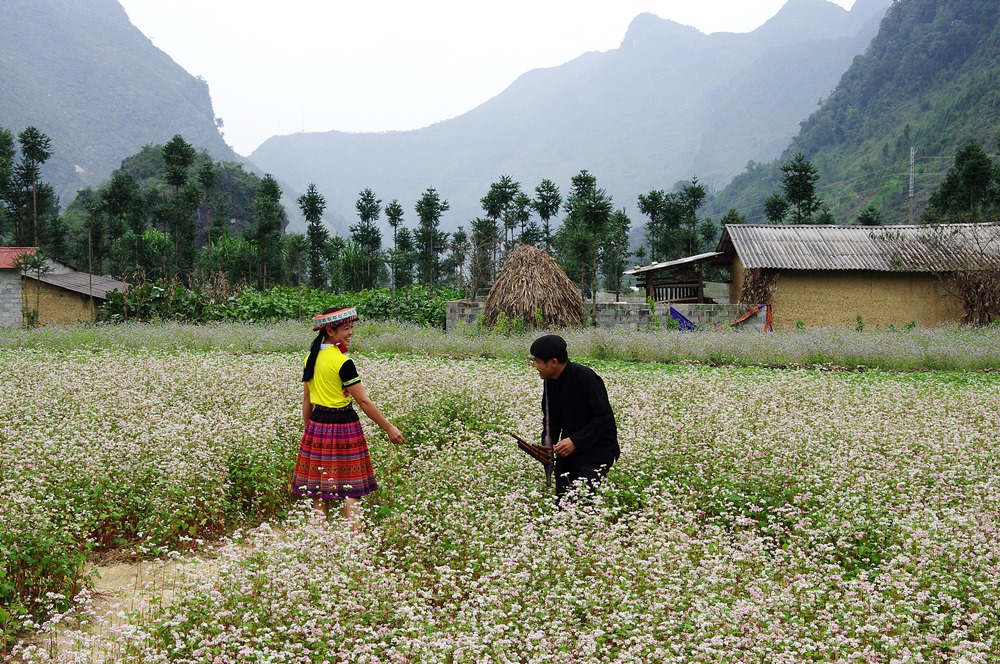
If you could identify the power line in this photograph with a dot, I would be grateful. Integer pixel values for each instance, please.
(913, 155)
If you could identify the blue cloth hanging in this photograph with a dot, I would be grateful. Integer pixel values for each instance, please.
(682, 322)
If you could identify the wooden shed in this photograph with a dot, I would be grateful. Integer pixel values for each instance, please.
(677, 281)
(832, 275)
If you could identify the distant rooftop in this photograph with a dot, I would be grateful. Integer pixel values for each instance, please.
(690, 260)
(83, 283)
(877, 248)
(8, 254)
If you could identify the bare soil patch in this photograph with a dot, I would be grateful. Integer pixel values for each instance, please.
(118, 589)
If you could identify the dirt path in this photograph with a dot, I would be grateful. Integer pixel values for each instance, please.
(119, 589)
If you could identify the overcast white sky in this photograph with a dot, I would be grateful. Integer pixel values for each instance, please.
(376, 65)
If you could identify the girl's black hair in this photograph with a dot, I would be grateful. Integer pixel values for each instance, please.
(310, 368)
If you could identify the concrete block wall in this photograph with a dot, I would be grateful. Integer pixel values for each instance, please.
(712, 316)
(632, 315)
(462, 312)
(609, 314)
(10, 297)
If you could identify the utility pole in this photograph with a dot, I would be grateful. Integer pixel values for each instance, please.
(913, 154)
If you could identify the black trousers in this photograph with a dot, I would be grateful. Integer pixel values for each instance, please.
(589, 475)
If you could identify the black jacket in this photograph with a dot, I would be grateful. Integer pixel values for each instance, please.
(578, 408)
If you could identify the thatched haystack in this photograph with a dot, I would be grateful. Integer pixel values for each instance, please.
(532, 281)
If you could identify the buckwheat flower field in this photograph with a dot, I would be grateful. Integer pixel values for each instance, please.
(756, 514)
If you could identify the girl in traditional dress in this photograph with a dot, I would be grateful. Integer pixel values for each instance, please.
(333, 459)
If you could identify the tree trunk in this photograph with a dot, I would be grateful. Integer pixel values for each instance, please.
(593, 286)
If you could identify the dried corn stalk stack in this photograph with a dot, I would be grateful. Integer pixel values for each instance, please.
(979, 292)
(532, 282)
(758, 287)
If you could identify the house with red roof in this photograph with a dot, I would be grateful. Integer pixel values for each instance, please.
(11, 295)
(62, 295)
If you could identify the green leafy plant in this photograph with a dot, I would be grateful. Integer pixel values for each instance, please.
(155, 301)
(508, 326)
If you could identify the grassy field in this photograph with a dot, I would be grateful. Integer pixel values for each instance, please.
(756, 514)
(944, 348)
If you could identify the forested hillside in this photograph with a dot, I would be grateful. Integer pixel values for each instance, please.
(929, 81)
(175, 212)
(83, 75)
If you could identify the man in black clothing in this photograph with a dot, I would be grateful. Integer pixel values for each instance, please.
(577, 416)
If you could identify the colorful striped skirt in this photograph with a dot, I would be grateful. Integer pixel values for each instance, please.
(333, 457)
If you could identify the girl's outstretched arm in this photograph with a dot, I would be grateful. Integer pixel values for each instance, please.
(357, 390)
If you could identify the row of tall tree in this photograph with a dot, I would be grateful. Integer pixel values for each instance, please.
(27, 205)
(171, 212)
(592, 242)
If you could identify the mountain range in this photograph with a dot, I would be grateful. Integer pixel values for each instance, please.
(670, 103)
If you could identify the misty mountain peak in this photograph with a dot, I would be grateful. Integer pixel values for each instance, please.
(818, 19)
(649, 31)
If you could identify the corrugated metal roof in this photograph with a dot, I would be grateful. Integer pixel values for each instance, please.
(652, 267)
(8, 254)
(877, 248)
(81, 282)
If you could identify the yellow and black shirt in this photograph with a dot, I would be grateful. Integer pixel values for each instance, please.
(335, 371)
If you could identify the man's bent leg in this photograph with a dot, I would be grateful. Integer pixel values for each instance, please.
(582, 482)
(565, 476)
(589, 476)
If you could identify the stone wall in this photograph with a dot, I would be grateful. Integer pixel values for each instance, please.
(630, 315)
(10, 297)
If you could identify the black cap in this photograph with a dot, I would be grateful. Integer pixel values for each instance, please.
(550, 346)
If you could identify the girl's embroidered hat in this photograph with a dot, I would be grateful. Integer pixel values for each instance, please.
(338, 317)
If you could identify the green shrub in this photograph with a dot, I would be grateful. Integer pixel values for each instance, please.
(42, 556)
(654, 322)
(507, 326)
(157, 301)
